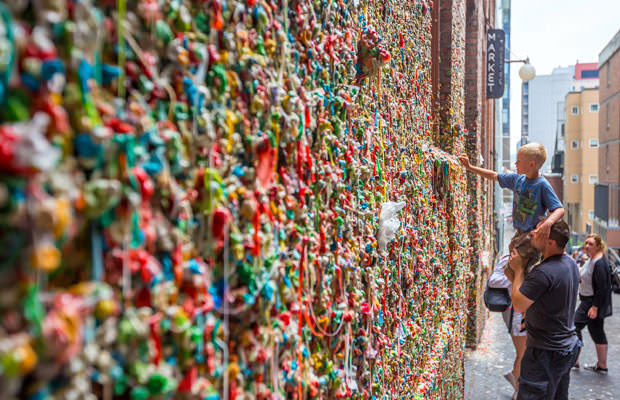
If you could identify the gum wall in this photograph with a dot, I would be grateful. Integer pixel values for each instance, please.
(219, 199)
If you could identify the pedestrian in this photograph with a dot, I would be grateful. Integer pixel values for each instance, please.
(500, 278)
(582, 259)
(548, 295)
(595, 297)
(533, 195)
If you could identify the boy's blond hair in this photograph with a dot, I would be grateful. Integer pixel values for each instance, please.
(535, 152)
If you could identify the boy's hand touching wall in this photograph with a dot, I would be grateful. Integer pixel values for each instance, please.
(483, 172)
(464, 160)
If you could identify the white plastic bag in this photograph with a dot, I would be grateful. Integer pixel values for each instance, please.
(388, 222)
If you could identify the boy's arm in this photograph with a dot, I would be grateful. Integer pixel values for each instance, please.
(483, 172)
(545, 226)
(552, 203)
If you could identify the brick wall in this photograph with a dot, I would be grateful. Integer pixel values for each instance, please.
(609, 134)
(609, 121)
(479, 123)
(556, 183)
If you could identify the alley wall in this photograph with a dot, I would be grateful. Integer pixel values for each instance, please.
(236, 199)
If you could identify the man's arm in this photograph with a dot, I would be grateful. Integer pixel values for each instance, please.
(483, 172)
(519, 301)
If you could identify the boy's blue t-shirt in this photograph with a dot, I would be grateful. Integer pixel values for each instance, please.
(532, 199)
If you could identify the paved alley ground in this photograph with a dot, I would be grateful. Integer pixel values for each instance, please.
(485, 366)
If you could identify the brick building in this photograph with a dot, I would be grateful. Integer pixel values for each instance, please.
(607, 192)
(460, 77)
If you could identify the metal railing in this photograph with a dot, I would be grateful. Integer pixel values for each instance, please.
(613, 257)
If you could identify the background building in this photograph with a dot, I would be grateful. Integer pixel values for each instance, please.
(586, 76)
(581, 165)
(542, 100)
(607, 196)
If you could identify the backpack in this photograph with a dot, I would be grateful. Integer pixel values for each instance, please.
(496, 299)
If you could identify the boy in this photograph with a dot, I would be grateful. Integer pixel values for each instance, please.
(533, 195)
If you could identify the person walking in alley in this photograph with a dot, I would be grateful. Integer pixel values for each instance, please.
(548, 295)
(595, 297)
(533, 195)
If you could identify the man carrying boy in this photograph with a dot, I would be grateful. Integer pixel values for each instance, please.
(549, 294)
(533, 195)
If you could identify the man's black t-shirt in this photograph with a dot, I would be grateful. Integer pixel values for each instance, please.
(550, 320)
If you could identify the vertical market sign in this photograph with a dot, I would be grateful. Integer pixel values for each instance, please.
(496, 40)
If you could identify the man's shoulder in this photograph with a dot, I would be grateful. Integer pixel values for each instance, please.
(558, 264)
(558, 259)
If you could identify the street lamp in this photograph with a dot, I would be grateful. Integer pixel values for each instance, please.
(527, 72)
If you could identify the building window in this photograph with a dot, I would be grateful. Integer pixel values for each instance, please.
(593, 179)
(593, 143)
(607, 116)
(574, 178)
(608, 76)
(589, 73)
(594, 107)
(591, 214)
(574, 110)
(574, 144)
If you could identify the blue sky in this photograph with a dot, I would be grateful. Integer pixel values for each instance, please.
(557, 33)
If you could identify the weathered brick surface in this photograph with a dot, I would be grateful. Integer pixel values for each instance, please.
(609, 132)
(464, 108)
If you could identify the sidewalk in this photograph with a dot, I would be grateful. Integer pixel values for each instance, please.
(485, 366)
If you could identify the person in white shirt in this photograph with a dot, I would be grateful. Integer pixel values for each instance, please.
(595, 300)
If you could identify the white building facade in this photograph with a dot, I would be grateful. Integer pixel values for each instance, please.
(542, 102)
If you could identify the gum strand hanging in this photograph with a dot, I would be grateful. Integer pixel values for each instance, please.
(320, 332)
